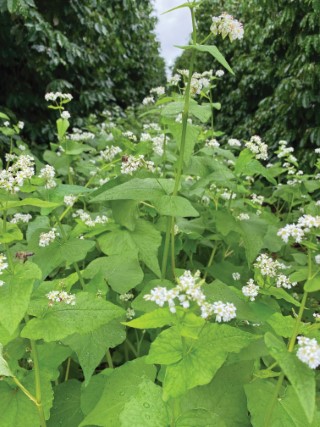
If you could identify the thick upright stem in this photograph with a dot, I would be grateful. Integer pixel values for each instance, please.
(185, 115)
(37, 383)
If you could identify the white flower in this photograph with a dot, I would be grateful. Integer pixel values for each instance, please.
(61, 296)
(224, 312)
(126, 297)
(160, 90)
(18, 217)
(259, 148)
(2, 283)
(110, 153)
(65, 115)
(86, 218)
(148, 100)
(69, 200)
(284, 282)
(78, 135)
(309, 351)
(158, 144)
(53, 96)
(12, 178)
(251, 290)
(174, 80)
(46, 238)
(234, 142)
(219, 73)
(20, 125)
(48, 173)
(236, 276)
(6, 124)
(243, 217)
(257, 199)
(130, 313)
(212, 143)
(226, 25)
(267, 266)
(3, 263)
(130, 135)
(130, 164)
(317, 259)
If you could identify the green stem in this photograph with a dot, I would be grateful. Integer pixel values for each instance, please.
(37, 382)
(6, 246)
(213, 252)
(25, 391)
(185, 115)
(66, 377)
(109, 359)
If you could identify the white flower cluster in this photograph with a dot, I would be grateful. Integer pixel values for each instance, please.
(65, 115)
(236, 276)
(12, 178)
(86, 218)
(212, 143)
(189, 290)
(284, 151)
(158, 144)
(200, 82)
(227, 195)
(259, 148)
(131, 163)
(226, 25)
(251, 290)
(257, 199)
(309, 351)
(160, 90)
(299, 230)
(243, 216)
(317, 259)
(48, 173)
(174, 80)
(20, 125)
(19, 217)
(126, 297)
(69, 200)
(46, 238)
(110, 153)
(79, 135)
(232, 142)
(151, 126)
(130, 135)
(283, 281)
(148, 100)
(267, 266)
(53, 96)
(3, 266)
(219, 73)
(61, 296)
(130, 313)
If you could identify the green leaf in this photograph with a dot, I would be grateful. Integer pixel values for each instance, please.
(287, 410)
(199, 417)
(15, 294)
(202, 112)
(19, 410)
(301, 377)
(12, 6)
(175, 206)
(62, 320)
(136, 189)
(120, 387)
(11, 234)
(279, 293)
(155, 319)
(284, 325)
(62, 127)
(194, 362)
(125, 212)
(4, 116)
(213, 50)
(29, 201)
(192, 133)
(4, 367)
(51, 356)
(313, 285)
(123, 271)
(66, 411)
(91, 347)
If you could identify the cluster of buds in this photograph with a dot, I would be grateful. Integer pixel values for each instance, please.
(61, 296)
(226, 25)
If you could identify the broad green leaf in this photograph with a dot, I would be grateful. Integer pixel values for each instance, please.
(155, 319)
(287, 410)
(193, 362)
(51, 356)
(15, 294)
(301, 377)
(213, 50)
(175, 206)
(91, 347)
(62, 320)
(313, 285)
(279, 293)
(284, 325)
(120, 386)
(201, 112)
(62, 127)
(29, 201)
(46, 390)
(66, 411)
(17, 408)
(4, 116)
(11, 234)
(145, 408)
(201, 418)
(123, 271)
(224, 396)
(253, 235)
(6, 337)
(125, 212)
(4, 367)
(136, 189)
(192, 133)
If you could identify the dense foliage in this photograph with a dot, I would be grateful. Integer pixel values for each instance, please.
(276, 87)
(101, 51)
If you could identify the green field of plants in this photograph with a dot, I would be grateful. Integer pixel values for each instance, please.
(155, 270)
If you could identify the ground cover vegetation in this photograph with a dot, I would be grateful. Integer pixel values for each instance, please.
(155, 272)
(275, 89)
